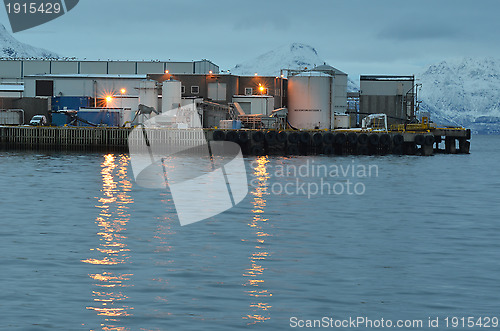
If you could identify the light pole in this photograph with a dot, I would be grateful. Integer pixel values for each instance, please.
(122, 91)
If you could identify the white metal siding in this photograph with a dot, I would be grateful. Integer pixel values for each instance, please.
(180, 67)
(64, 67)
(385, 87)
(36, 67)
(93, 67)
(121, 68)
(340, 94)
(10, 69)
(150, 68)
(80, 87)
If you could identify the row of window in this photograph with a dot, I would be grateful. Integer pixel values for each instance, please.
(194, 89)
(248, 90)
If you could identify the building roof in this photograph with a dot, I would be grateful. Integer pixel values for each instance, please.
(328, 69)
(386, 77)
(324, 69)
(11, 88)
(102, 76)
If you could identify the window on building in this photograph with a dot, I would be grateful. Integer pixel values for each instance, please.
(195, 89)
(248, 91)
(183, 89)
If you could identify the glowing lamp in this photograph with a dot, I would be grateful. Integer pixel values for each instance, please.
(123, 91)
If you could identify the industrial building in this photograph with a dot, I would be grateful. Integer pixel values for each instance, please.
(315, 99)
(394, 96)
(113, 97)
(221, 88)
(14, 71)
(39, 86)
(72, 91)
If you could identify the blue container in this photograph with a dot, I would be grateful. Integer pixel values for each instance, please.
(73, 103)
(102, 117)
(236, 125)
(60, 119)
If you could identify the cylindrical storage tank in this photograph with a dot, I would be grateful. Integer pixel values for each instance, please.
(148, 94)
(310, 100)
(171, 95)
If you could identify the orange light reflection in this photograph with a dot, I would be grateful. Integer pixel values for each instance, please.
(109, 300)
(255, 281)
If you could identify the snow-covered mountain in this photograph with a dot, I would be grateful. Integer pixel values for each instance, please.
(293, 56)
(464, 92)
(12, 48)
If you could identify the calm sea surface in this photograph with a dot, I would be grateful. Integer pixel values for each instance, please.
(82, 247)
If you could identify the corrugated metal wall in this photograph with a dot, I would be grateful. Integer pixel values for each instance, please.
(12, 70)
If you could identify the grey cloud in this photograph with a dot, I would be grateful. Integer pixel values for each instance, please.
(403, 31)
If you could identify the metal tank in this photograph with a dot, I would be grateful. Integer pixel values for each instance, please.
(148, 94)
(171, 95)
(310, 100)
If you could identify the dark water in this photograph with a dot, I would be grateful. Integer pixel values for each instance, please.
(82, 247)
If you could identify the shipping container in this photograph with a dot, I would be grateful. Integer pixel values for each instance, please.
(60, 119)
(100, 116)
(74, 103)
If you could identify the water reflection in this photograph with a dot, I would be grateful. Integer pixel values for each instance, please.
(109, 300)
(255, 283)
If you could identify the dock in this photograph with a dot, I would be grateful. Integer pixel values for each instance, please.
(253, 142)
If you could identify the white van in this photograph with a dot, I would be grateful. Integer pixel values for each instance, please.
(38, 120)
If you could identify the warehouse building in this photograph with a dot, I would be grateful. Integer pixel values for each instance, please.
(218, 88)
(391, 95)
(221, 88)
(14, 71)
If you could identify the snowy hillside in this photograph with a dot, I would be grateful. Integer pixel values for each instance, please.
(464, 92)
(293, 56)
(12, 48)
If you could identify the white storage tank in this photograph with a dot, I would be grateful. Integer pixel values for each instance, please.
(148, 93)
(310, 100)
(171, 95)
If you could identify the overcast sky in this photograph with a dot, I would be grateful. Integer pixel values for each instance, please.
(358, 37)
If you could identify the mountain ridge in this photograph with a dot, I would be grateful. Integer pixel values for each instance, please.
(464, 91)
(11, 48)
(291, 56)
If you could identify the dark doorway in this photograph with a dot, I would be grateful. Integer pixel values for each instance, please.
(44, 88)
